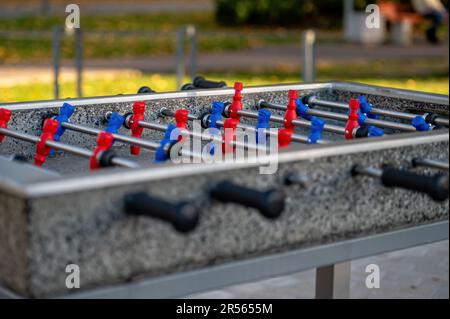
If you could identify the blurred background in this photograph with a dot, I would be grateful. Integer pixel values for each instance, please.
(123, 45)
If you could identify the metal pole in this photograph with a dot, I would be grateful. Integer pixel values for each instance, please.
(79, 60)
(309, 59)
(333, 281)
(192, 33)
(348, 12)
(180, 56)
(56, 60)
(45, 7)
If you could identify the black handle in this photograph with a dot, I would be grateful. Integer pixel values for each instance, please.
(201, 83)
(269, 203)
(188, 87)
(435, 186)
(19, 158)
(145, 90)
(183, 215)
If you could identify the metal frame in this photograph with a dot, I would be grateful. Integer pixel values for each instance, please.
(340, 86)
(118, 177)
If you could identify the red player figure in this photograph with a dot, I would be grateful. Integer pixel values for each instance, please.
(236, 105)
(353, 116)
(48, 133)
(291, 111)
(136, 129)
(5, 116)
(104, 143)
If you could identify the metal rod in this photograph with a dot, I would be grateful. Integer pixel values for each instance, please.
(163, 128)
(122, 162)
(118, 137)
(83, 152)
(367, 171)
(298, 122)
(19, 135)
(402, 115)
(430, 163)
(53, 144)
(295, 137)
(65, 147)
(343, 117)
(166, 112)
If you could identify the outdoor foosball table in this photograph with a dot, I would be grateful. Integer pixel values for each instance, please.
(352, 171)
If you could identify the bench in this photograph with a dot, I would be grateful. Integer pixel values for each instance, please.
(402, 18)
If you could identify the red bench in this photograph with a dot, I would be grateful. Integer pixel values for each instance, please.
(397, 13)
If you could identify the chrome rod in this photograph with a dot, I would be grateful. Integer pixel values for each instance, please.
(343, 117)
(70, 149)
(367, 171)
(19, 135)
(163, 128)
(402, 115)
(53, 144)
(298, 122)
(123, 162)
(430, 163)
(295, 137)
(210, 137)
(64, 147)
(118, 137)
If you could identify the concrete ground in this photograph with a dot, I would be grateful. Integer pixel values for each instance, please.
(416, 273)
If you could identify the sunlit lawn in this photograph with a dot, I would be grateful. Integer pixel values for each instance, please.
(142, 34)
(130, 83)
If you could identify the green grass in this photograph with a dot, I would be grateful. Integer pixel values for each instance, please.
(13, 50)
(130, 83)
(156, 35)
(123, 22)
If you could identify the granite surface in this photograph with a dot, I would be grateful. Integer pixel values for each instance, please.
(13, 242)
(91, 229)
(30, 121)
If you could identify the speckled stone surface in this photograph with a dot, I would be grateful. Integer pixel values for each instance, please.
(30, 121)
(13, 242)
(90, 229)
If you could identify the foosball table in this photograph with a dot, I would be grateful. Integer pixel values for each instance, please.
(304, 176)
